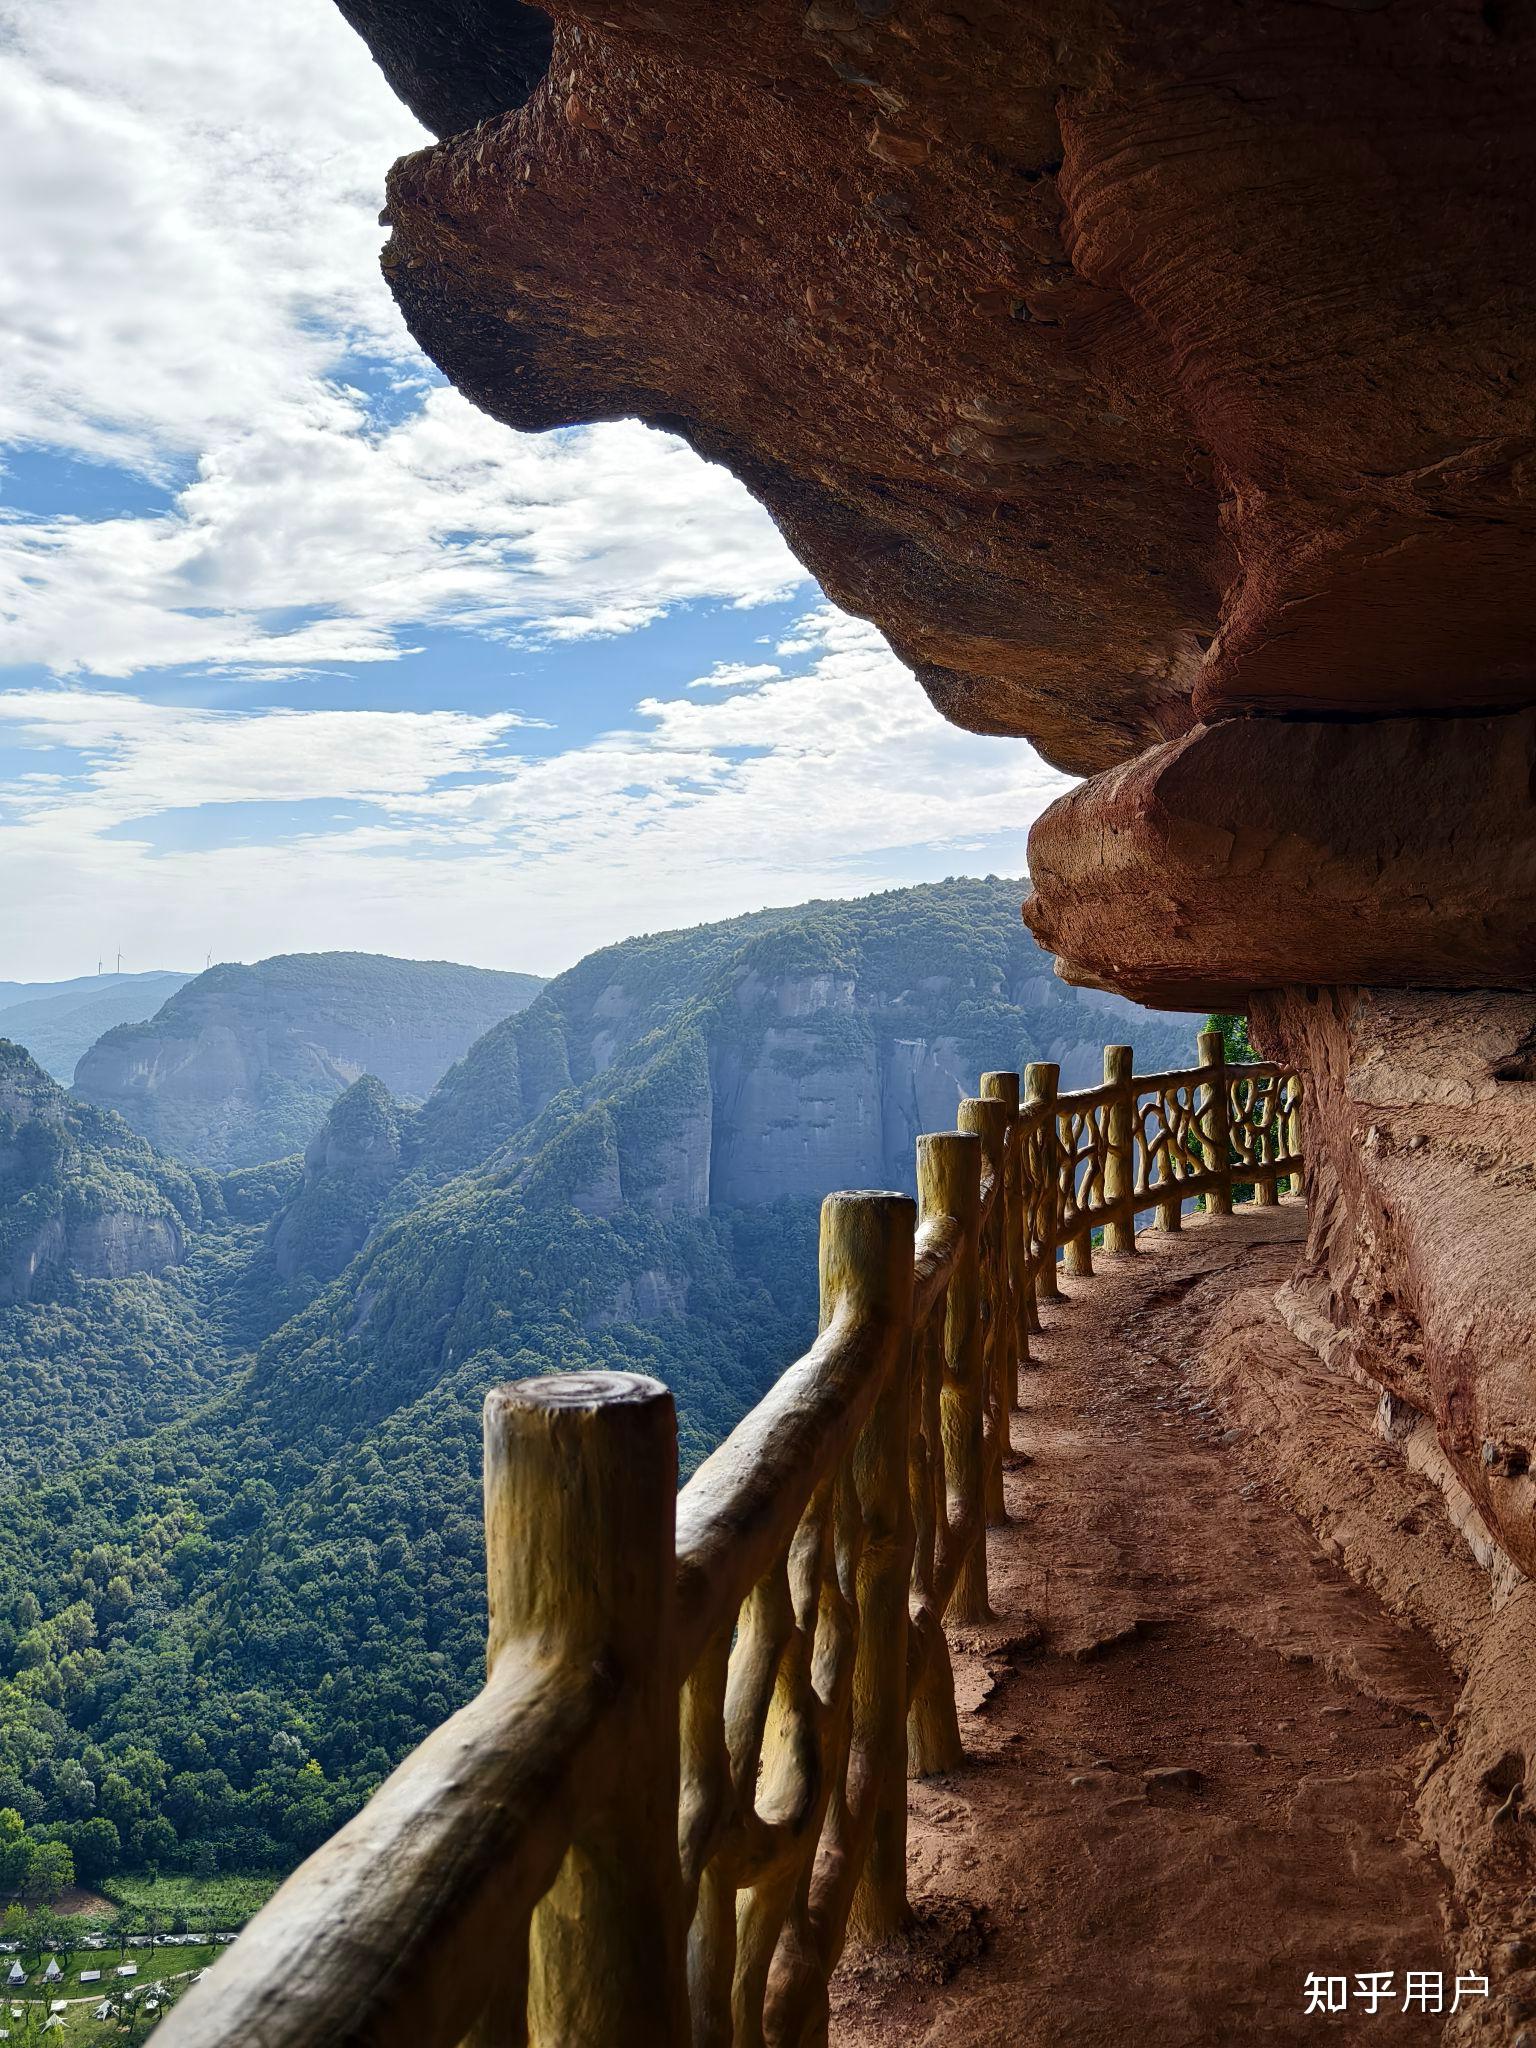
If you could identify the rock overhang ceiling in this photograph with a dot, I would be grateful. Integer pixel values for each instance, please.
(1136, 368)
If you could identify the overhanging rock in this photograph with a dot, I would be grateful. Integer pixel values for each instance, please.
(1262, 852)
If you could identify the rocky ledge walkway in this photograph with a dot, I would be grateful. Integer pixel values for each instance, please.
(1192, 1740)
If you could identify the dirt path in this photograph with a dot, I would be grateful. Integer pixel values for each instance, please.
(1189, 1624)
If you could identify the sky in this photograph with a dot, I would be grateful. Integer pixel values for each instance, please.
(298, 650)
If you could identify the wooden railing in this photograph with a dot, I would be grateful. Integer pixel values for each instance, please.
(571, 1860)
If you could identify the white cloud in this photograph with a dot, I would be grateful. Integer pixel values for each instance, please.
(829, 781)
(190, 211)
(444, 519)
(726, 675)
(189, 290)
(187, 282)
(140, 761)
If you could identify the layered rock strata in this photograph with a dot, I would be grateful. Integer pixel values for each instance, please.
(1262, 852)
(1420, 1132)
(81, 1196)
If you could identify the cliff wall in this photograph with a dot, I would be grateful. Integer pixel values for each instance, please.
(81, 1197)
(772, 1057)
(1159, 378)
(1420, 1129)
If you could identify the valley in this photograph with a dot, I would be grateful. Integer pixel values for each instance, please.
(241, 1554)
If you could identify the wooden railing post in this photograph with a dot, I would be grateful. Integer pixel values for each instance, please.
(1004, 1088)
(933, 1729)
(866, 1272)
(1076, 1250)
(580, 1513)
(1120, 1160)
(1293, 1139)
(1041, 1080)
(1213, 1053)
(1170, 1210)
(989, 1121)
(949, 1184)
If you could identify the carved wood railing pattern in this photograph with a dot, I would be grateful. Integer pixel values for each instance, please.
(571, 1858)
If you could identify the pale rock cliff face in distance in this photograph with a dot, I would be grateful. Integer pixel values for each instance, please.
(242, 1064)
(832, 1095)
(773, 1057)
(669, 1084)
(81, 1196)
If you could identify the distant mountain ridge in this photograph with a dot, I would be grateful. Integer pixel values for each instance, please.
(765, 1058)
(780, 1054)
(242, 1063)
(58, 1020)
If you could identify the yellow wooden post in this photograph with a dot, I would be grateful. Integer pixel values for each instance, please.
(1213, 1054)
(933, 1731)
(1170, 1210)
(1077, 1250)
(1004, 1088)
(1120, 1159)
(1041, 1078)
(580, 1512)
(866, 1273)
(989, 1121)
(949, 1184)
(1293, 1138)
(705, 1802)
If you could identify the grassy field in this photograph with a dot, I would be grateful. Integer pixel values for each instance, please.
(230, 1900)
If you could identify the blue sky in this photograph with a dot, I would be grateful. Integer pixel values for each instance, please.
(298, 650)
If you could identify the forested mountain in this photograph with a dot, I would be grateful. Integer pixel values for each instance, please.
(243, 1062)
(57, 1020)
(218, 1635)
(100, 1338)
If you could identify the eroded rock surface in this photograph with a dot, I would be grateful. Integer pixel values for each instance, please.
(1420, 1133)
(1126, 366)
(1262, 852)
(81, 1196)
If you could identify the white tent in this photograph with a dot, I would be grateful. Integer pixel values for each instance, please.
(53, 1973)
(17, 1975)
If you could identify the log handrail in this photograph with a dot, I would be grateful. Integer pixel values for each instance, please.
(574, 1857)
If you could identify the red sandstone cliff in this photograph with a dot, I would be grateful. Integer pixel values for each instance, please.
(1158, 375)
